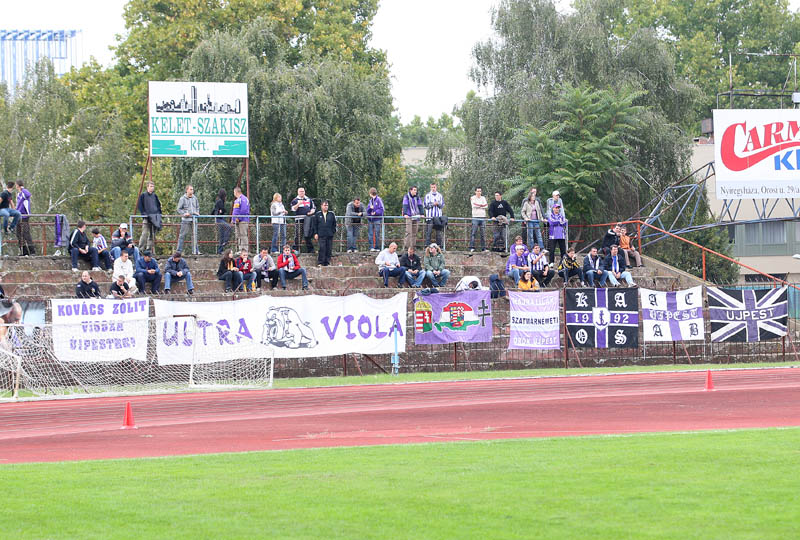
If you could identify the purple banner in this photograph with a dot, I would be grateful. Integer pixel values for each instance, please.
(448, 318)
(534, 320)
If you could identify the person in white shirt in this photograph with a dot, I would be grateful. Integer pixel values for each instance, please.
(470, 282)
(124, 267)
(540, 268)
(277, 211)
(389, 265)
(479, 205)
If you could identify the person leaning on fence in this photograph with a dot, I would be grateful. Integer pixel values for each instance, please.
(352, 222)
(502, 214)
(415, 275)
(87, 287)
(147, 271)
(626, 246)
(265, 267)
(389, 265)
(79, 247)
(557, 231)
(434, 215)
(149, 206)
(375, 211)
(8, 208)
(188, 208)
(540, 267)
(527, 282)
(593, 269)
(289, 267)
(241, 218)
(614, 264)
(229, 273)
(278, 213)
(124, 267)
(532, 216)
(434, 266)
(478, 204)
(412, 211)
(304, 209)
(120, 288)
(223, 227)
(324, 227)
(99, 243)
(121, 240)
(26, 246)
(611, 238)
(245, 265)
(570, 266)
(176, 269)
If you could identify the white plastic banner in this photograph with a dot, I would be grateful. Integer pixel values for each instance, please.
(757, 153)
(100, 330)
(292, 327)
(673, 315)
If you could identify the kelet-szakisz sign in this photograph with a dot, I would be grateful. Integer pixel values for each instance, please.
(198, 119)
(757, 153)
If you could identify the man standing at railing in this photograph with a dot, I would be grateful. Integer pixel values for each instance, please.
(149, 206)
(188, 208)
(434, 205)
(479, 205)
(412, 211)
(324, 231)
(499, 211)
(352, 217)
(302, 207)
(241, 218)
(375, 213)
(26, 246)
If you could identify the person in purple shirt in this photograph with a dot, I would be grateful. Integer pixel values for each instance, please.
(412, 211)
(241, 218)
(375, 212)
(517, 264)
(558, 231)
(26, 246)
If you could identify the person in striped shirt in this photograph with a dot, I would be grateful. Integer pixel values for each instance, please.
(434, 204)
(540, 268)
(103, 253)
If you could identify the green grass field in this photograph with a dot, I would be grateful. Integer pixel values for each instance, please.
(738, 484)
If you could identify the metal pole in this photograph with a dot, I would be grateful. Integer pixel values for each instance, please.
(455, 356)
(704, 264)
(247, 175)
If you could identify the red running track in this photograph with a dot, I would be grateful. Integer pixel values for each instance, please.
(238, 421)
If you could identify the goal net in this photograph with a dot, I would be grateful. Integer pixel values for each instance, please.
(48, 360)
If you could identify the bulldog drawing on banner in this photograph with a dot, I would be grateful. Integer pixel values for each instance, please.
(284, 328)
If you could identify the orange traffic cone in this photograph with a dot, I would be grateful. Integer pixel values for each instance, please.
(127, 420)
(709, 382)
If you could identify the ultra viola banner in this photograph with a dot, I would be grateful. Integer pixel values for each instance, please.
(292, 327)
(747, 314)
(672, 315)
(451, 317)
(603, 318)
(100, 330)
(534, 320)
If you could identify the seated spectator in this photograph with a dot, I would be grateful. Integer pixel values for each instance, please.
(289, 267)
(611, 238)
(79, 247)
(99, 243)
(389, 265)
(245, 266)
(229, 273)
(527, 282)
(87, 287)
(124, 267)
(518, 242)
(626, 246)
(176, 269)
(593, 269)
(121, 239)
(120, 288)
(470, 282)
(569, 266)
(557, 231)
(8, 209)
(147, 271)
(540, 268)
(264, 266)
(516, 264)
(614, 264)
(433, 263)
(415, 275)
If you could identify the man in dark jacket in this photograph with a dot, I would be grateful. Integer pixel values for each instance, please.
(147, 271)
(611, 238)
(79, 246)
(149, 206)
(122, 239)
(324, 231)
(86, 287)
(414, 274)
(593, 269)
(303, 208)
(501, 213)
(614, 264)
(176, 269)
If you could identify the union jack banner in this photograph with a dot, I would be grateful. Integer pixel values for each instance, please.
(747, 314)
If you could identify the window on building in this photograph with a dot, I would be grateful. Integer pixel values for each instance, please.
(751, 233)
(773, 232)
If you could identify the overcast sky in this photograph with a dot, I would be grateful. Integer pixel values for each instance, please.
(428, 42)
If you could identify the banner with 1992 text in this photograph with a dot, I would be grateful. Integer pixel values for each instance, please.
(292, 327)
(100, 330)
(535, 319)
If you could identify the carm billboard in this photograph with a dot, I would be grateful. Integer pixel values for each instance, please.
(757, 153)
(198, 119)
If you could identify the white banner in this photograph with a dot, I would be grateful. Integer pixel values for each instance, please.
(673, 315)
(198, 119)
(100, 330)
(757, 153)
(294, 327)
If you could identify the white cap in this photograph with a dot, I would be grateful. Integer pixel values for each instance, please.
(123, 225)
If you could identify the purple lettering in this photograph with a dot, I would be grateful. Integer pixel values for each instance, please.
(331, 333)
(361, 322)
(348, 319)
